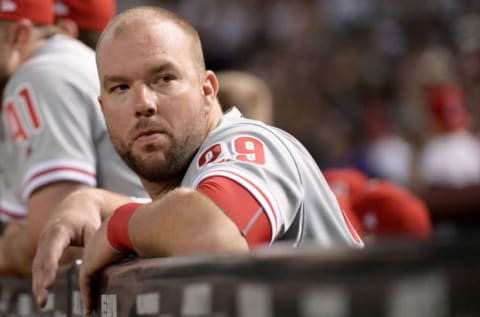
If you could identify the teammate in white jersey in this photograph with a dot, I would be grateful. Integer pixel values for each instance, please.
(219, 183)
(53, 137)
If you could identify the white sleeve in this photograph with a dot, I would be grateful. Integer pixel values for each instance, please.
(62, 146)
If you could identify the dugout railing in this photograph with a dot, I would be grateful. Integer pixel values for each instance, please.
(389, 279)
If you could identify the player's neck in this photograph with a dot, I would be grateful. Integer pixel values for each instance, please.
(215, 118)
(158, 189)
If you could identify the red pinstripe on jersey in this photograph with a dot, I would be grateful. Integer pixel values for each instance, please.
(241, 206)
(58, 169)
(12, 214)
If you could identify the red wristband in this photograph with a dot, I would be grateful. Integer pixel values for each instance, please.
(117, 227)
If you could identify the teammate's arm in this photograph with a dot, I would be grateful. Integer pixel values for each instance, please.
(18, 245)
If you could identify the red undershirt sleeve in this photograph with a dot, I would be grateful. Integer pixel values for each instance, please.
(241, 206)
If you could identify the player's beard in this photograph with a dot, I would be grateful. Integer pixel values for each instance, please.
(175, 163)
(176, 160)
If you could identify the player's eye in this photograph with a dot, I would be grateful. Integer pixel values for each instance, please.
(163, 79)
(118, 88)
(167, 78)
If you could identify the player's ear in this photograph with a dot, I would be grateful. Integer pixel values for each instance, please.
(21, 33)
(210, 86)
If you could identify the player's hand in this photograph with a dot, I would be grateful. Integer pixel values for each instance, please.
(98, 254)
(73, 223)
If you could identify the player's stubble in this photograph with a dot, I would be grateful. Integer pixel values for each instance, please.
(177, 156)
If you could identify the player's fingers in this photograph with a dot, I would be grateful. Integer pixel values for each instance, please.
(88, 233)
(50, 248)
(41, 297)
(84, 282)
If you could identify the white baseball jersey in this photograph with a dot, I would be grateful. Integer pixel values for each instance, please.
(254, 171)
(52, 128)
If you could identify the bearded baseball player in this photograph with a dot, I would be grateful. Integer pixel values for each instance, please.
(53, 138)
(219, 183)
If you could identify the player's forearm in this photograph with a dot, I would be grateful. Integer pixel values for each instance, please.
(183, 222)
(70, 202)
(105, 201)
(17, 253)
(101, 201)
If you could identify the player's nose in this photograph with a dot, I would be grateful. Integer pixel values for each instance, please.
(144, 101)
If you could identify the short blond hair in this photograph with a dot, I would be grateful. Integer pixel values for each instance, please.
(147, 15)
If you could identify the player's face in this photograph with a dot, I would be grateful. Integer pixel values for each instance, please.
(152, 98)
